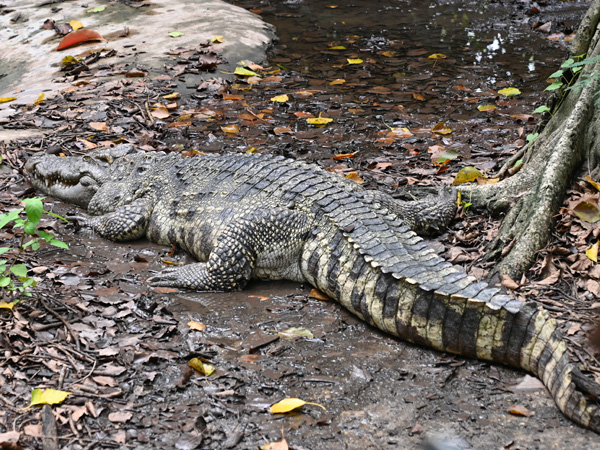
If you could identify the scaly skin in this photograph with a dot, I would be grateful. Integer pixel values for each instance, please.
(247, 216)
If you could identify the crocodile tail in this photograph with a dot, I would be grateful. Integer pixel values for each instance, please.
(451, 312)
(547, 357)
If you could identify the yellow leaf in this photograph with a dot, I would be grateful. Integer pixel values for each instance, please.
(507, 92)
(592, 182)
(172, 96)
(204, 369)
(319, 121)
(231, 129)
(4, 305)
(355, 177)
(280, 98)
(466, 174)
(217, 40)
(304, 93)
(289, 404)
(592, 252)
(252, 150)
(7, 99)
(355, 61)
(389, 54)
(337, 81)
(47, 397)
(441, 128)
(243, 72)
(437, 56)
(196, 325)
(75, 24)
(587, 212)
(40, 98)
(487, 107)
(337, 47)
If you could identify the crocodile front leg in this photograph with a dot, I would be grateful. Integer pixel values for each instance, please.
(127, 223)
(266, 242)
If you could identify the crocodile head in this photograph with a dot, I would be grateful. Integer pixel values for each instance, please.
(75, 179)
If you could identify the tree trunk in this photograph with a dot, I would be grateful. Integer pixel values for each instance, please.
(569, 142)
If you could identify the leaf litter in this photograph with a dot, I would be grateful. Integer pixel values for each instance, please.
(123, 350)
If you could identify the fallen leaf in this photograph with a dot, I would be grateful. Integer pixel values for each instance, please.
(203, 368)
(40, 99)
(75, 24)
(231, 129)
(295, 333)
(217, 40)
(399, 133)
(437, 56)
(97, 9)
(509, 91)
(337, 47)
(345, 155)
(354, 177)
(487, 107)
(160, 112)
(519, 410)
(120, 416)
(444, 158)
(319, 121)
(318, 295)
(354, 61)
(100, 126)
(587, 212)
(466, 175)
(592, 182)
(172, 96)
(280, 98)
(7, 99)
(243, 72)
(282, 130)
(591, 253)
(196, 325)
(47, 397)
(303, 115)
(79, 36)
(289, 404)
(10, 436)
(441, 128)
(175, 34)
(5, 305)
(337, 81)
(279, 445)
(509, 283)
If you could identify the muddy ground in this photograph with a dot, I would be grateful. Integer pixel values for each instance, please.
(94, 328)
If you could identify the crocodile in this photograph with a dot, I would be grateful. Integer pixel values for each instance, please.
(267, 217)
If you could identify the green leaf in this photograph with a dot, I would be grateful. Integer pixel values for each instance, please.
(576, 69)
(557, 74)
(8, 217)
(35, 246)
(554, 86)
(19, 270)
(97, 9)
(3, 250)
(587, 212)
(29, 228)
(243, 72)
(175, 34)
(541, 109)
(567, 63)
(34, 208)
(4, 281)
(532, 137)
(45, 235)
(47, 397)
(59, 244)
(31, 243)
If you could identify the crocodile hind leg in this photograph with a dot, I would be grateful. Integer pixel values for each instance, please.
(256, 241)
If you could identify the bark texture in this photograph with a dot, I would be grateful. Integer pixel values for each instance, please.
(568, 143)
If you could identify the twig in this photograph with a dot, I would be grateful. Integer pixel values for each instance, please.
(65, 323)
(49, 433)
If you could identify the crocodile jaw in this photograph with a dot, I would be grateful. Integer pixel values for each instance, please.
(71, 180)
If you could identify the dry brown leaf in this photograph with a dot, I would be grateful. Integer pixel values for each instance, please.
(120, 416)
(519, 410)
(196, 325)
(99, 126)
(279, 445)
